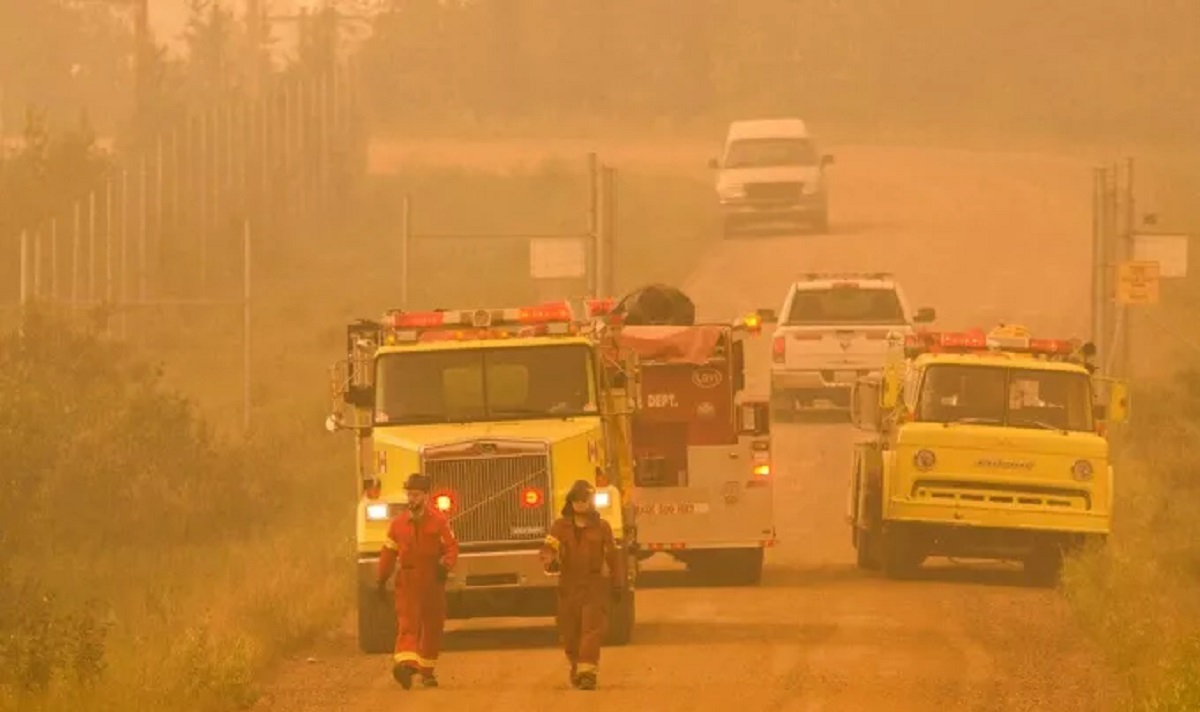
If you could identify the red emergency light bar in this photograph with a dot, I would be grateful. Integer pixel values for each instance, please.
(548, 313)
(979, 341)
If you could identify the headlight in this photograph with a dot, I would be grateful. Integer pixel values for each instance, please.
(924, 459)
(601, 500)
(1082, 471)
(377, 512)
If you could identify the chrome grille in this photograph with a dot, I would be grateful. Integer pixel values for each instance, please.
(486, 494)
(774, 191)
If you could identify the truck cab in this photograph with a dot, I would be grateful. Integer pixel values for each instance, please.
(772, 171)
(703, 488)
(982, 445)
(832, 329)
(503, 409)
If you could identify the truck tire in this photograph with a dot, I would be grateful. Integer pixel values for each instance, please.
(730, 227)
(901, 556)
(746, 566)
(621, 618)
(866, 555)
(821, 222)
(727, 567)
(868, 539)
(1043, 566)
(376, 623)
(783, 409)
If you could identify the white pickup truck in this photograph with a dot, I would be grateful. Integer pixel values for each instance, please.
(832, 329)
(771, 171)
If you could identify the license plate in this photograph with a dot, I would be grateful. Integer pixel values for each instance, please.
(845, 376)
(668, 508)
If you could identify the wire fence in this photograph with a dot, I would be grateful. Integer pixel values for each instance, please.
(168, 221)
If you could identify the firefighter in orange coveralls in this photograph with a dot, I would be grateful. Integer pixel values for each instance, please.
(592, 574)
(421, 544)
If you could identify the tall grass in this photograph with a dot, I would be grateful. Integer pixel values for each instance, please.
(1139, 594)
(153, 557)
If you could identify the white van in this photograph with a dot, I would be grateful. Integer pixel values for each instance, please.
(771, 171)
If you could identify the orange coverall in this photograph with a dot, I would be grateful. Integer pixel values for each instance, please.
(419, 546)
(591, 569)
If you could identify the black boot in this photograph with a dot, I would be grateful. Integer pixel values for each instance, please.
(587, 680)
(428, 679)
(403, 674)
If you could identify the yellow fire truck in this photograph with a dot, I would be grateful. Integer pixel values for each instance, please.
(503, 409)
(982, 445)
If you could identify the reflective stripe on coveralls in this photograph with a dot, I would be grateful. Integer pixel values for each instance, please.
(418, 546)
(590, 569)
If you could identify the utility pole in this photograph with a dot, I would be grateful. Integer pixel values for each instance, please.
(144, 58)
(1128, 254)
(256, 31)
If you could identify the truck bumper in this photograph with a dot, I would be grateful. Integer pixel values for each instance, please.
(805, 208)
(809, 386)
(489, 584)
(965, 515)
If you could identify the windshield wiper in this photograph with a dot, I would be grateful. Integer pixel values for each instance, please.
(537, 412)
(1038, 423)
(408, 418)
(972, 421)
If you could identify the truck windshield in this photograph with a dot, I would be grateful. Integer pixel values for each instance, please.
(1005, 396)
(473, 385)
(845, 305)
(768, 152)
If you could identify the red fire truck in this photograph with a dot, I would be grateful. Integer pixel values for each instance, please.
(702, 484)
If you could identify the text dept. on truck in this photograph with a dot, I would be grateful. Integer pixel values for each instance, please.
(703, 488)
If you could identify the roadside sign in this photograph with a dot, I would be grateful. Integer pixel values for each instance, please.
(1169, 251)
(1137, 283)
(557, 258)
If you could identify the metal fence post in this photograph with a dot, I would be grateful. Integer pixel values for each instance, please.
(405, 234)
(246, 351)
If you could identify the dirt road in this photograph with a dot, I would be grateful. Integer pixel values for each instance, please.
(981, 238)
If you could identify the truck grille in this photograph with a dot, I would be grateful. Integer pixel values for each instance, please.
(1042, 497)
(486, 494)
(789, 191)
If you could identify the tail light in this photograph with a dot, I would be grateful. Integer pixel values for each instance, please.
(778, 346)
(760, 456)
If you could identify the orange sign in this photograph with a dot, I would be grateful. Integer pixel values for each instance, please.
(1137, 283)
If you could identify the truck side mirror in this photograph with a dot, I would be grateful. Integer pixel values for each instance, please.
(1118, 402)
(1100, 411)
(767, 316)
(865, 399)
(714, 163)
(925, 315)
(828, 160)
(890, 390)
(739, 366)
(360, 396)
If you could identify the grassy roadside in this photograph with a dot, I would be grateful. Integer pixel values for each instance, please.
(1138, 596)
(163, 559)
